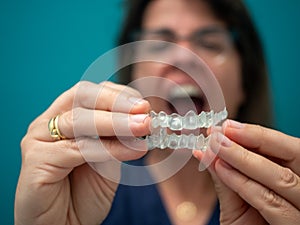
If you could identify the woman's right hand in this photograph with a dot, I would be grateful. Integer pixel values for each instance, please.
(56, 185)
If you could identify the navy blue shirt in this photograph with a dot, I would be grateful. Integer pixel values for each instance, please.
(142, 205)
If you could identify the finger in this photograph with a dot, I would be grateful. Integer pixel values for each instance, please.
(110, 97)
(232, 206)
(281, 180)
(60, 157)
(270, 205)
(84, 122)
(101, 150)
(105, 156)
(103, 96)
(122, 87)
(263, 140)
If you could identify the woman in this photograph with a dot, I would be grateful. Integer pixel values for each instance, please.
(254, 176)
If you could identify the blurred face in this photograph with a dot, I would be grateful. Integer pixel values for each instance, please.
(192, 25)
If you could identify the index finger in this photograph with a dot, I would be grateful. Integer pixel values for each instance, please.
(263, 140)
(105, 96)
(109, 96)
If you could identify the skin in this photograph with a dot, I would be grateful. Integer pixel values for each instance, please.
(255, 170)
(185, 18)
(56, 184)
(256, 174)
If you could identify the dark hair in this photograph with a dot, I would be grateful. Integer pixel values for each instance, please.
(257, 107)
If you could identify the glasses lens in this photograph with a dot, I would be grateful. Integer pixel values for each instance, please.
(212, 42)
(160, 40)
(207, 43)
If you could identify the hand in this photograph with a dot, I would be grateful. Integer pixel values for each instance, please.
(256, 174)
(56, 185)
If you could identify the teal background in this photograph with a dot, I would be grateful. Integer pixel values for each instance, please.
(45, 47)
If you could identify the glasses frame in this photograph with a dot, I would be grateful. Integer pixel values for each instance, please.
(192, 38)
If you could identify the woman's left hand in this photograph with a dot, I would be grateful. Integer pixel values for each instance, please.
(256, 174)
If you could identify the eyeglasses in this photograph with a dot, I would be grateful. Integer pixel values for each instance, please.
(207, 42)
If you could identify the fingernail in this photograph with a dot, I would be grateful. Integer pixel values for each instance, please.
(217, 140)
(223, 140)
(136, 101)
(215, 129)
(138, 118)
(235, 124)
(225, 165)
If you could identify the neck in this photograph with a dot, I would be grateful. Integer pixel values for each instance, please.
(181, 172)
(185, 185)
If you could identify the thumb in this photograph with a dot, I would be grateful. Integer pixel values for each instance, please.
(232, 206)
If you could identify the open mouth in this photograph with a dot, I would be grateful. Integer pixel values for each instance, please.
(184, 98)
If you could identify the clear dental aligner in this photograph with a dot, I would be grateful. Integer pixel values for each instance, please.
(160, 122)
(190, 121)
(173, 141)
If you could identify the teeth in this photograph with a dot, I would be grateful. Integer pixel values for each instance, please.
(190, 121)
(182, 91)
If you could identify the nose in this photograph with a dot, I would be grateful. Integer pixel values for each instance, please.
(184, 42)
(183, 55)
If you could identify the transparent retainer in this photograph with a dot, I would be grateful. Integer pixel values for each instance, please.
(160, 122)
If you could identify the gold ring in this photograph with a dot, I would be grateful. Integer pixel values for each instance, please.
(54, 130)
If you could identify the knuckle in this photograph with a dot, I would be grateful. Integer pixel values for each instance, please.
(132, 91)
(28, 149)
(67, 145)
(75, 118)
(27, 142)
(24, 144)
(31, 126)
(246, 182)
(137, 93)
(81, 143)
(262, 134)
(114, 98)
(272, 199)
(82, 92)
(287, 178)
(114, 93)
(87, 143)
(104, 148)
(35, 123)
(108, 144)
(72, 144)
(76, 115)
(109, 147)
(66, 123)
(245, 157)
(84, 84)
(68, 118)
(106, 83)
